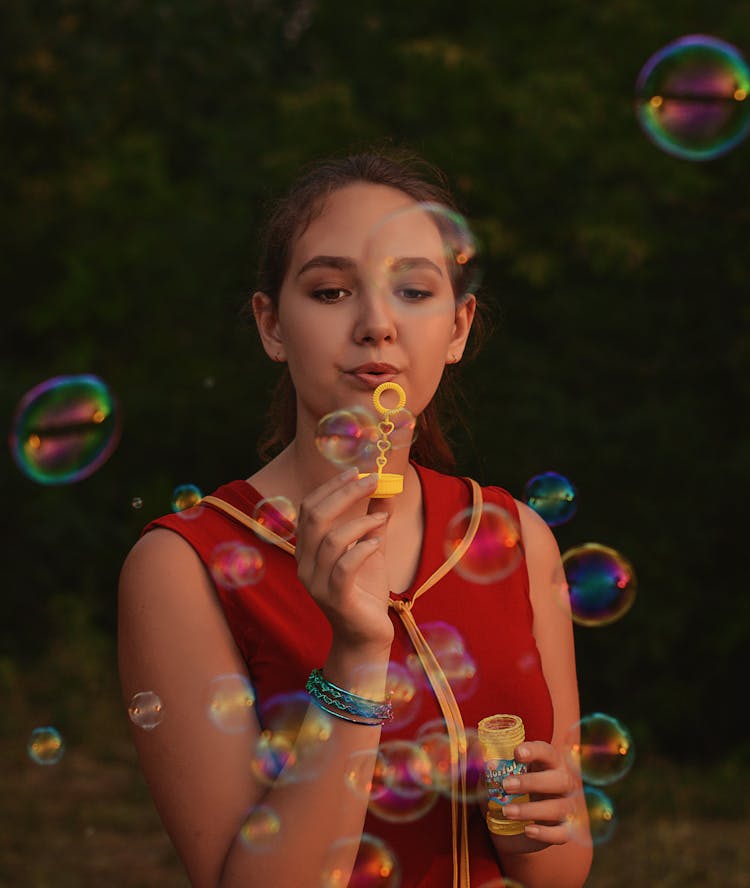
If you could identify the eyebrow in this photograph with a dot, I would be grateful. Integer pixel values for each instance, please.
(344, 263)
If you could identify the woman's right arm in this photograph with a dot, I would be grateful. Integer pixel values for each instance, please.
(174, 639)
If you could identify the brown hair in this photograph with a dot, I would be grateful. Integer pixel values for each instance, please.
(290, 216)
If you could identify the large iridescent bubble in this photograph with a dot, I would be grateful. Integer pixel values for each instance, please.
(494, 552)
(601, 584)
(600, 748)
(692, 97)
(403, 783)
(64, 429)
(375, 864)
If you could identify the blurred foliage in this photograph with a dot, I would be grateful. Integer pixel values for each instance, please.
(142, 141)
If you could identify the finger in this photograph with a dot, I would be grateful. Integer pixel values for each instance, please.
(538, 752)
(553, 811)
(557, 834)
(341, 538)
(380, 505)
(554, 781)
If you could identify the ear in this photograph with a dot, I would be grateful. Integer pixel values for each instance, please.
(465, 311)
(267, 322)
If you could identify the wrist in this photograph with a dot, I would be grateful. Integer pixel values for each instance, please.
(360, 670)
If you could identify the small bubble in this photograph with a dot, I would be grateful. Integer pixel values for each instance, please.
(45, 746)
(146, 710)
(230, 699)
(552, 496)
(234, 564)
(261, 830)
(277, 514)
(136, 502)
(185, 496)
(603, 752)
(375, 864)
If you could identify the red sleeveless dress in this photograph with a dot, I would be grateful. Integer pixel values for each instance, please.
(283, 635)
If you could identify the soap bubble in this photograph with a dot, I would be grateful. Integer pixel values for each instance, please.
(552, 496)
(45, 746)
(230, 699)
(136, 502)
(692, 97)
(403, 783)
(501, 883)
(293, 743)
(146, 710)
(496, 549)
(234, 564)
(347, 437)
(449, 649)
(261, 830)
(433, 739)
(375, 864)
(605, 751)
(602, 819)
(601, 584)
(277, 514)
(185, 496)
(64, 429)
(420, 250)
(358, 776)
(404, 693)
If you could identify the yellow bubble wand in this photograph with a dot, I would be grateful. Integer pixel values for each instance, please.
(389, 483)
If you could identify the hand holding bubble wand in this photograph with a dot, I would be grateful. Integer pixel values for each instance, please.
(389, 483)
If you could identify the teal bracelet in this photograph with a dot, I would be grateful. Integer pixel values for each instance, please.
(364, 711)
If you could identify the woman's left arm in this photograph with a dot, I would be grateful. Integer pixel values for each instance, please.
(556, 849)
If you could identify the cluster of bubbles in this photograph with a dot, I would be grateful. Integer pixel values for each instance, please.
(349, 436)
(600, 749)
(64, 429)
(45, 746)
(692, 97)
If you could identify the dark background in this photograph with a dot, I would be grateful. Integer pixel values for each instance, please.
(141, 143)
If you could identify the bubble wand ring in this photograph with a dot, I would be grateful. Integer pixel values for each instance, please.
(389, 483)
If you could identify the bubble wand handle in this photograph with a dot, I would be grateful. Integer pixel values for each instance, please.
(389, 483)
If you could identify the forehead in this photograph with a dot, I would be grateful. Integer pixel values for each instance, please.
(365, 221)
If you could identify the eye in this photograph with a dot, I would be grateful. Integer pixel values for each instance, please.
(330, 294)
(413, 294)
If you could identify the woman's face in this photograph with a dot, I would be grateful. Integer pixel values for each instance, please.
(367, 298)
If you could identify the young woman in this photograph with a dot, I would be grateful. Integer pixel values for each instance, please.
(355, 599)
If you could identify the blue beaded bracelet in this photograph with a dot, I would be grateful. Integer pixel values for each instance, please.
(336, 701)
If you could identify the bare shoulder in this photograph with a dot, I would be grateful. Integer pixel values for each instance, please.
(174, 641)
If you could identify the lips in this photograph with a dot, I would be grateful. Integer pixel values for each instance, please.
(373, 373)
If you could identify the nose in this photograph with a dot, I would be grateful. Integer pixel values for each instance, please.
(375, 321)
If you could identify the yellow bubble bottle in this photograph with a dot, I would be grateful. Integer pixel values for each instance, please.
(499, 735)
(389, 483)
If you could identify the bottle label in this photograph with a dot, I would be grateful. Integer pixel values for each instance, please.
(495, 771)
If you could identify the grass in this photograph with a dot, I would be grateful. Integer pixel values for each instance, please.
(89, 820)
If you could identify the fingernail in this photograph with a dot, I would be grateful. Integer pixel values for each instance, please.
(511, 810)
(511, 783)
(531, 830)
(381, 516)
(367, 480)
(351, 472)
(523, 752)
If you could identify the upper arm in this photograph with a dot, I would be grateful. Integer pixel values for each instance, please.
(553, 627)
(173, 640)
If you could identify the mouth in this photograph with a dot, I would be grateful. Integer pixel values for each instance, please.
(372, 374)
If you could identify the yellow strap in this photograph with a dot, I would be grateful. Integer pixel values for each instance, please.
(437, 678)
